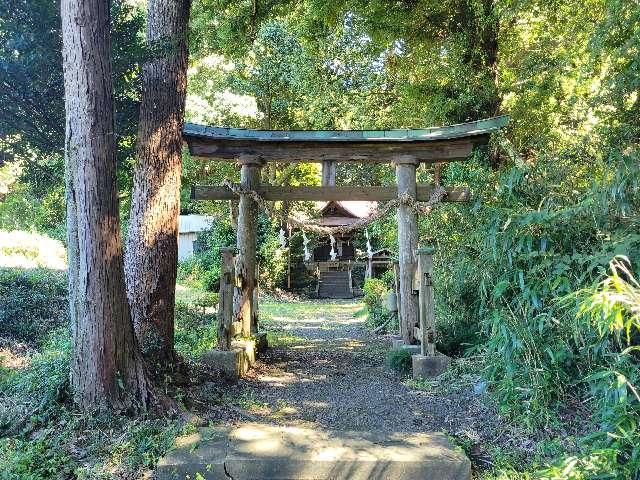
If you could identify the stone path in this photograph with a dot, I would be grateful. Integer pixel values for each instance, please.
(324, 373)
(327, 370)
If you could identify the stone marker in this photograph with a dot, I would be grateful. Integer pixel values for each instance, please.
(265, 452)
(232, 363)
(425, 367)
(249, 349)
(236, 362)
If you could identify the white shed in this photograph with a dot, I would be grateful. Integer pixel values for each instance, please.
(188, 229)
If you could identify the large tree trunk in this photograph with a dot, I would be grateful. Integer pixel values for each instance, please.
(107, 369)
(152, 242)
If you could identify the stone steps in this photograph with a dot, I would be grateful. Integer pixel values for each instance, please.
(254, 451)
(334, 284)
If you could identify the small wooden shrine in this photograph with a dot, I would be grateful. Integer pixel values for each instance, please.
(334, 257)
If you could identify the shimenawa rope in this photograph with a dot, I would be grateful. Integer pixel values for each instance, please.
(405, 199)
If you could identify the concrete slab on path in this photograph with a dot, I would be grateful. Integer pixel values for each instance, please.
(253, 451)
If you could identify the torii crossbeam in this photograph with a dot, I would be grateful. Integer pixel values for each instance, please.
(404, 148)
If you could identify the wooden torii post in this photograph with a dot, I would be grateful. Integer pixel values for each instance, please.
(245, 305)
(403, 148)
(407, 244)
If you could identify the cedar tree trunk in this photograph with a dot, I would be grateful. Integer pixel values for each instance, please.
(107, 369)
(152, 244)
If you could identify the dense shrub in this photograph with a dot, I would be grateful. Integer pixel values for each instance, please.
(399, 360)
(612, 310)
(33, 302)
(195, 331)
(507, 270)
(23, 209)
(375, 294)
(202, 271)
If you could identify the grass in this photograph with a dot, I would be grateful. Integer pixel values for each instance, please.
(464, 373)
(311, 310)
(42, 436)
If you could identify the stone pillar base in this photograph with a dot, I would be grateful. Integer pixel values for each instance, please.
(233, 363)
(248, 347)
(429, 367)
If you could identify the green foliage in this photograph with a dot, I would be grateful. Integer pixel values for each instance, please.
(532, 257)
(196, 332)
(38, 388)
(41, 438)
(21, 209)
(272, 260)
(272, 73)
(202, 271)
(206, 300)
(111, 446)
(612, 309)
(399, 360)
(33, 302)
(375, 295)
(32, 124)
(374, 291)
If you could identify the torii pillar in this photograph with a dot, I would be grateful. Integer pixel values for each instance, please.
(329, 173)
(407, 243)
(245, 301)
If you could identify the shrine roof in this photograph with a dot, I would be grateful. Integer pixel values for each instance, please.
(463, 130)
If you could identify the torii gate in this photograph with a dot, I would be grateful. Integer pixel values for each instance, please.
(403, 148)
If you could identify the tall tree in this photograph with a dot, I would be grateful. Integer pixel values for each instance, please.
(152, 244)
(32, 87)
(107, 369)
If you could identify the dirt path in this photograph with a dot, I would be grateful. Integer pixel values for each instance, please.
(326, 370)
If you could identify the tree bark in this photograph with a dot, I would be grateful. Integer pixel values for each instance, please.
(152, 244)
(407, 244)
(107, 369)
(245, 308)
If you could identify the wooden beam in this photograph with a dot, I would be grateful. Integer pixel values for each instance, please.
(225, 308)
(313, 151)
(327, 193)
(427, 329)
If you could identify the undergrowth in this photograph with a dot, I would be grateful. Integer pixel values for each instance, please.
(533, 292)
(43, 437)
(399, 360)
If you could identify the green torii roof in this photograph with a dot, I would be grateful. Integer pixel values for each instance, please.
(462, 130)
